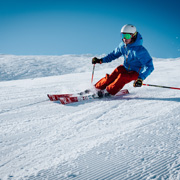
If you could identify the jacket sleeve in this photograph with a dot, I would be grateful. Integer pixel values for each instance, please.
(112, 56)
(147, 66)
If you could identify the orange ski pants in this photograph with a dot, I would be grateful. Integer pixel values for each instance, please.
(116, 80)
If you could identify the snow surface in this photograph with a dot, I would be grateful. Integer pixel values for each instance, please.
(134, 137)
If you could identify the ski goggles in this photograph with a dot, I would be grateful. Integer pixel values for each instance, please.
(126, 36)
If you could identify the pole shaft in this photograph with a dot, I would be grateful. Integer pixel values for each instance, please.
(161, 86)
(92, 74)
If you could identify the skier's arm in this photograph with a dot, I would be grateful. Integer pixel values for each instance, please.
(112, 56)
(147, 64)
(148, 69)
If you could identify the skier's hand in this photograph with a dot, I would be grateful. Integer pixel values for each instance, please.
(96, 60)
(138, 83)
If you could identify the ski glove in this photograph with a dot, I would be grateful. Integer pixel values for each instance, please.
(138, 83)
(96, 60)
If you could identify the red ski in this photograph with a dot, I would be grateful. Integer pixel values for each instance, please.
(78, 98)
(55, 97)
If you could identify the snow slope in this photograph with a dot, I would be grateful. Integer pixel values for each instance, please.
(134, 137)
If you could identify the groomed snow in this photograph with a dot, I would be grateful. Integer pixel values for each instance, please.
(133, 137)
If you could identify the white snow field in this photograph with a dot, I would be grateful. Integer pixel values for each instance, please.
(133, 137)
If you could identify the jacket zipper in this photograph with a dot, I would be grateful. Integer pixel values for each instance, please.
(128, 51)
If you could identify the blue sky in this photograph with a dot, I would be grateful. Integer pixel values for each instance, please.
(55, 27)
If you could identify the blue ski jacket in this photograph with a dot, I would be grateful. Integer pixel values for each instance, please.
(136, 57)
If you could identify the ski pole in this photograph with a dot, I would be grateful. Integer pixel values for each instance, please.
(161, 86)
(92, 74)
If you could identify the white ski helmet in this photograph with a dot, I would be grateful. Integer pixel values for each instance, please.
(128, 28)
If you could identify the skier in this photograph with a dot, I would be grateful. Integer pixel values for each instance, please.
(137, 64)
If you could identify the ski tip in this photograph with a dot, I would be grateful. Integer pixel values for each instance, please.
(51, 98)
(48, 96)
(122, 92)
(127, 91)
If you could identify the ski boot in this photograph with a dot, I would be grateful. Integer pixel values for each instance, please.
(103, 93)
